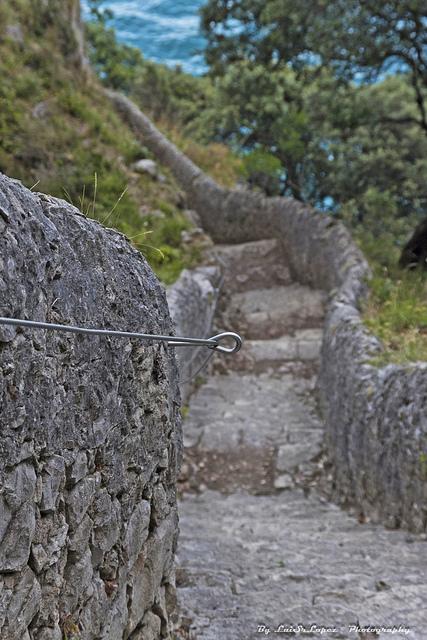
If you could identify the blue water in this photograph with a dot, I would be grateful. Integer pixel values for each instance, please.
(166, 31)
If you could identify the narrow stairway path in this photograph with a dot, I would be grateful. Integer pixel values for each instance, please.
(260, 546)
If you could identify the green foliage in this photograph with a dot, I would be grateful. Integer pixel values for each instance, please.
(176, 101)
(377, 226)
(278, 95)
(166, 94)
(185, 410)
(396, 309)
(334, 140)
(262, 169)
(259, 161)
(253, 110)
(356, 39)
(397, 313)
(216, 159)
(282, 76)
(115, 63)
(162, 244)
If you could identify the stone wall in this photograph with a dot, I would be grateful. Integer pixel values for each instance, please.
(192, 302)
(90, 432)
(376, 422)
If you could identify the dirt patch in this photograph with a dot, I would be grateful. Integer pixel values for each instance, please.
(249, 468)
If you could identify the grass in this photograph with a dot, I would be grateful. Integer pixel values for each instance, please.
(396, 309)
(60, 135)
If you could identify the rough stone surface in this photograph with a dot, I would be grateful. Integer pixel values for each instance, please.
(148, 167)
(376, 430)
(90, 432)
(260, 544)
(246, 266)
(192, 302)
(261, 355)
(269, 313)
(289, 559)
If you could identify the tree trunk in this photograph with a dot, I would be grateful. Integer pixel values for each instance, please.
(414, 253)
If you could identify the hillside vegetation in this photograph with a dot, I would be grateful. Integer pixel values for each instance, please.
(60, 135)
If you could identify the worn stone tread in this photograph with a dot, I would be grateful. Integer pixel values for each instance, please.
(259, 355)
(248, 560)
(257, 410)
(273, 312)
(249, 265)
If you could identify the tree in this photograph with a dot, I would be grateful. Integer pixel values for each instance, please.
(261, 113)
(164, 93)
(116, 64)
(334, 89)
(358, 39)
(335, 144)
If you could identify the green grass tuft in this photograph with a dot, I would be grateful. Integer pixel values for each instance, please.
(396, 312)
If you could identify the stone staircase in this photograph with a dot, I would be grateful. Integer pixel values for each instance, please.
(260, 545)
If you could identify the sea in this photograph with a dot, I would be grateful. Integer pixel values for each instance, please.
(166, 31)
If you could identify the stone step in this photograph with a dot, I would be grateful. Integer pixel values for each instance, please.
(246, 561)
(256, 432)
(261, 314)
(252, 410)
(262, 355)
(252, 265)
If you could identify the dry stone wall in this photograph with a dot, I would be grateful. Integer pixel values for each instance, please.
(90, 432)
(192, 302)
(376, 422)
